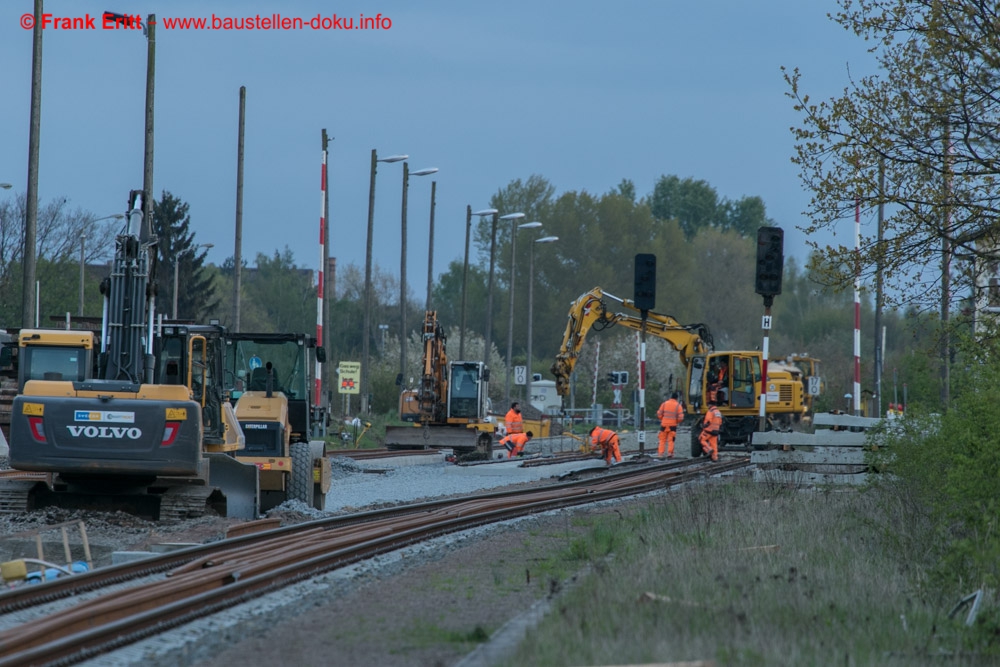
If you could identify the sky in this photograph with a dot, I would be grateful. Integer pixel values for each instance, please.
(583, 93)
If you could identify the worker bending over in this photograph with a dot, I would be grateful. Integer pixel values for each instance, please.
(671, 415)
(607, 440)
(711, 425)
(515, 443)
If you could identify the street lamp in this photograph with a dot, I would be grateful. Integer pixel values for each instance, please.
(513, 217)
(366, 332)
(383, 328)
(465, 273)
(402, 270)
(430, 241)
(531, 284)
(177, 261)
(6, 186)
(83, 238)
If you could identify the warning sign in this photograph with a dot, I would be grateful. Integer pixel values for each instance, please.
(350, 377)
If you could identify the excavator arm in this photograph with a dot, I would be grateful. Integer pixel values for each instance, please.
(593, 311)
(433, 392)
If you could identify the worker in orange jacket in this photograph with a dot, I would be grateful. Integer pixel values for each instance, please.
(513, 422)
(718, 380)
(670, 414)
(515, 442)
(607, 440)
(711, 426)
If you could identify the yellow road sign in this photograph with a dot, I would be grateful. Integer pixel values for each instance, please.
(349, 373)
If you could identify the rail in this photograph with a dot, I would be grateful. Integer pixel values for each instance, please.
(206, 579)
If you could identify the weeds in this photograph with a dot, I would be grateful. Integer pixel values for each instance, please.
(736, 573)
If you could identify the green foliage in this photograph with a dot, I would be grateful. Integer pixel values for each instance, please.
(945, 469)
(58, 258)
(919, 137)
(276, 295)
(733, 572)
(696, 206)
(181, 257)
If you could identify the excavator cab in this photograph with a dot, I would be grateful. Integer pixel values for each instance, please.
(466, 390)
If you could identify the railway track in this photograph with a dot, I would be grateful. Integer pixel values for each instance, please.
(179, 587)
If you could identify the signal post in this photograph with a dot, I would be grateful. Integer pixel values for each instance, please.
(770, 264)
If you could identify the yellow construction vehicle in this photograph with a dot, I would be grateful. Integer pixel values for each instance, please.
(737, 388)
(148, 428)
(270, 377)
(452, 401)
(805, 369)
(41, 354)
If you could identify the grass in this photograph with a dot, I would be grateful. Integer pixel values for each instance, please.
(748, 574)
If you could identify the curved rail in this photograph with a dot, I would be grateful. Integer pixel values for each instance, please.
(204, 580)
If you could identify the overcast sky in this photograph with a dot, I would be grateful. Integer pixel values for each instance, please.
(584, 93)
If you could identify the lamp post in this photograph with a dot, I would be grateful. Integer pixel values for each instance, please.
(366, 327)
(531, 305)
(177, 261)
(465, 272)
(402, 270)
(6, 186)
(513, 217)
(83, 239)
(383, 328)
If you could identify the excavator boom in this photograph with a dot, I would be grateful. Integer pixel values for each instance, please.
(592, 311)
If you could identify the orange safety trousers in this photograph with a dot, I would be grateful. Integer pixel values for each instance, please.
(610, 448)
(709, 444)
(667, 437)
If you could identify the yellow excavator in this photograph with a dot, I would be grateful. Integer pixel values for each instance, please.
(148, 427)
(737, 388)
(451, 405)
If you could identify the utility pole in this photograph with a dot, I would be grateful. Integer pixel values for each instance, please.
(31, 207)
(238, 252)
(465, 280)
(879, 296)
(147, 158)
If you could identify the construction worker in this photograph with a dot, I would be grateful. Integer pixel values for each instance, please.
(711, 425)
(607, 440)
(671, 414)
(515, 442)
(513, 421)
(718, 379)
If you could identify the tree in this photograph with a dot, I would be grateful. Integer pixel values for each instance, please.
(57, 256)
(925, 125)
(693, 204)
(196, 300)
(696, 206)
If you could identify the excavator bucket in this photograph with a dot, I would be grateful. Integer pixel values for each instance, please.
(239, 482)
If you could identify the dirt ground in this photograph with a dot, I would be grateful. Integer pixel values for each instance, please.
(431, 615)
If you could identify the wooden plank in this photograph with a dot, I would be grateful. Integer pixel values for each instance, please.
(827, 419)
(825, 438)
(815, 455)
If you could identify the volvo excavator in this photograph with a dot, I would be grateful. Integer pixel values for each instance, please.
(732, 377)
(452, 401)
(148, 427)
